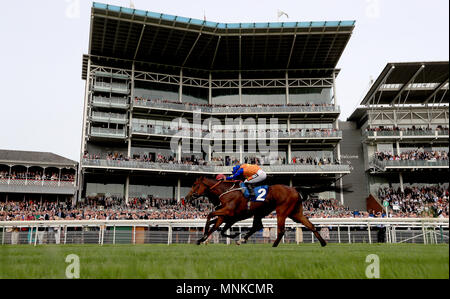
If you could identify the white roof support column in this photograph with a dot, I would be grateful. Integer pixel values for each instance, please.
(436, 91)
(179, 190)
(404, 87)
(127, 189)
(335, 98)
(338, 146)
(210, 89)
(287, 88)
(240, 88)
(180, 92)
(130, 119)
(241, 142)
(400, 176)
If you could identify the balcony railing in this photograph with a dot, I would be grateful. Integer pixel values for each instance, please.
(111, 133)
(37, 186)
(384, 164)
(109, 117)
(163, 131)
(407, 134)
(185, 107)
(111, 87)
(113, 102)
(211, 169)
(46, 183)
(111, 75)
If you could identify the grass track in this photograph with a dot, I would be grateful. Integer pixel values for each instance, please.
(221, 261)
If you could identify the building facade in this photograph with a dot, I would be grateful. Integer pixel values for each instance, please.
(404, 127)
(169, 99)
(36, 176)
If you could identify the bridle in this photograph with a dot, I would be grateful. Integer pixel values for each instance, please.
(210, 188)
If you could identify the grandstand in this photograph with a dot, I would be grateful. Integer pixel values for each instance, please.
(144, 70)
(403, 126)
(36, 176)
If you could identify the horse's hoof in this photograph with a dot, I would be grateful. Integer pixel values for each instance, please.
(238, 243)
(199, 242)
(323, 244)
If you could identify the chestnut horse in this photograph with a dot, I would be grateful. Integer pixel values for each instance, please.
(232, 206)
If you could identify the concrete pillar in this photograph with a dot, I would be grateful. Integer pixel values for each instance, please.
(287, 88)
(180, 94)
(209, 152)
(240, 88)
(127, 189)
(397, 146)
(338, 148)
(130, 121)
(179, 191)
(400, 176)
(85, 119)
(210, 89)
(241, 143)
(289, 153)
(179, 152)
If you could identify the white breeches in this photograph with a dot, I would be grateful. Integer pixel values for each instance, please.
(257, 178)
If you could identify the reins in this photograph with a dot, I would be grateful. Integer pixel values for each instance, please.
(228, 191)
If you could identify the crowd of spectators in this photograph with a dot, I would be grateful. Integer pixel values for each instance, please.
(311, 161)
(36, 176)
(164, 101)
(413, 128)
(234, 133)
(156, 158)
(418, 154)
(111, 208)
(215, 159)
(414, 201)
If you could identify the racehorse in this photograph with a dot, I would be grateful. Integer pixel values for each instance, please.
(232, 206)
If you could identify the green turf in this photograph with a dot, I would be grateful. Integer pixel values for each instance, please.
(222, 261)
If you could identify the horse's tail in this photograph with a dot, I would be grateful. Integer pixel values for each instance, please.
(304, 192)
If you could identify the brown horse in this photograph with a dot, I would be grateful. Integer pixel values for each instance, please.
(232, 206)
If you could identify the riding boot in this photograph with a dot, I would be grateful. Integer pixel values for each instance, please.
(250, 190)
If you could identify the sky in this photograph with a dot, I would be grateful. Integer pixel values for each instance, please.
(42, 43)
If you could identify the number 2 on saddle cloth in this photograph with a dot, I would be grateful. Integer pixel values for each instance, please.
(260, 192)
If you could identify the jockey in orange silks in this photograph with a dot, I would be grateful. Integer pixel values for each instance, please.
(253, 174)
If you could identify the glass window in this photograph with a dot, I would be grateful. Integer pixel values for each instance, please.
(95, 189)
(195, 95)
(156, 91)
(253, 96)
(225, 96)
(385, 147)
(309, 95)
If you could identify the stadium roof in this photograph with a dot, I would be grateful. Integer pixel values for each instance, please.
(34, 158)
(137, 35)
(410, 83)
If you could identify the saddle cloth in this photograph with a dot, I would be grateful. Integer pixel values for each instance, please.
(260, 192)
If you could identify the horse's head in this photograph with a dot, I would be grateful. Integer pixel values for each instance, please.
(198, 189)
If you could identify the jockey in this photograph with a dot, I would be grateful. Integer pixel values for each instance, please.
(252, 173)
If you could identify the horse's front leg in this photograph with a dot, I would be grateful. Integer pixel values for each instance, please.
(206, 230)
(221, 214)
(218, 222)
(227, 226)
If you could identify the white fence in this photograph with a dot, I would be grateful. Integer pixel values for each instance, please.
(334, 230)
